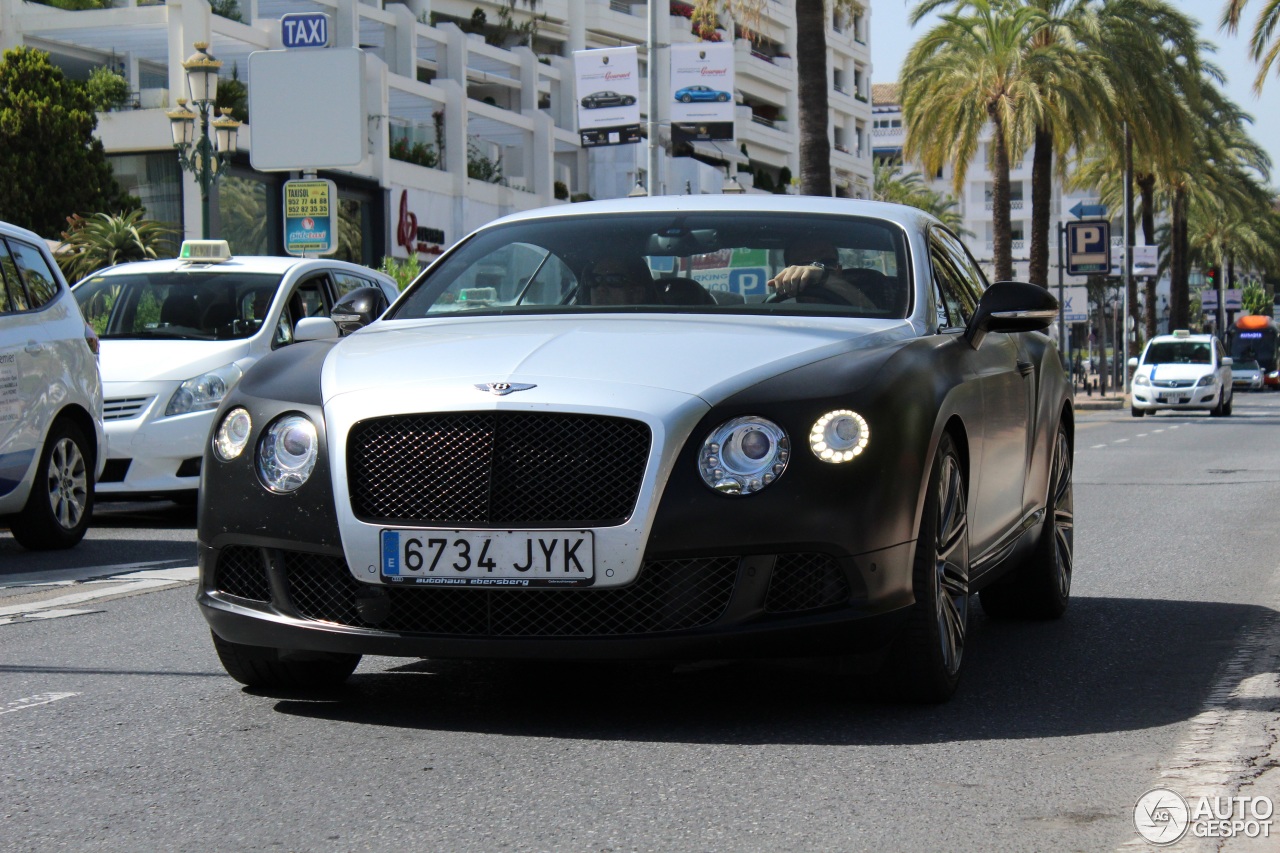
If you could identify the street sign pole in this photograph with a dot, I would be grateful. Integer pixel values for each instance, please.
(1062, 315)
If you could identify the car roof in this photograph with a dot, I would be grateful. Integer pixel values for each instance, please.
(1200, 339)
(278, 265)
(10, 230)
(909, 218)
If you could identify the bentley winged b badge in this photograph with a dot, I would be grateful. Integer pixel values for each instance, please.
(503, 388)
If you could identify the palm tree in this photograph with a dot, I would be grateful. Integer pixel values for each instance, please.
(1074, 98)
(104, 239)
(969, 71)
(811, 86)
(1260, 51)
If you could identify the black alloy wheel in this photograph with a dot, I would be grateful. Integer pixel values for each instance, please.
(925, 662)
(60, 505)
(1041, 587)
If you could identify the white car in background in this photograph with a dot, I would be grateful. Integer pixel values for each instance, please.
(178, 334)
(1182, 371)
(51, 431)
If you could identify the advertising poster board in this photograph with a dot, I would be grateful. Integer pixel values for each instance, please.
(607, 82)
(310, 217)
(702, 91)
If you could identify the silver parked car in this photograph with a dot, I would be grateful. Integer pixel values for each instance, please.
(51, 435)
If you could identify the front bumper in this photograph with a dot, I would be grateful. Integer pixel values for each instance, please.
(1150, 398)
(148, 454)
(757, 605)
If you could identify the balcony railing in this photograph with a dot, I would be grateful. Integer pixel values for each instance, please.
(1014, 204)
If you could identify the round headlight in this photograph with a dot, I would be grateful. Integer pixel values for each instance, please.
(1141, 379)
(744, 455)
(233, 434)
(839, 436)
(287, 453)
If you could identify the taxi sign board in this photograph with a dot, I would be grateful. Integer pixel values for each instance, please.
(1088, 247)
(310, 217)
(304, 29)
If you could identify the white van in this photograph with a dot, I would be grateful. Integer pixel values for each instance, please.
(51, 434)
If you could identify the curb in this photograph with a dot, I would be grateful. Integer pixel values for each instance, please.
(1089, 404)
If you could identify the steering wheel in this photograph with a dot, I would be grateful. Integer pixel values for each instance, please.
(813, 293)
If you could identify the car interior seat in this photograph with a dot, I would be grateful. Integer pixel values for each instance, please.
(883, 291)
(180, 309)
(218, 316)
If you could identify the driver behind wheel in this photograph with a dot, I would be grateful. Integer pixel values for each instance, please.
(814, 264)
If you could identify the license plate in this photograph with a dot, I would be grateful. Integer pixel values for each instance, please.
(488, 557)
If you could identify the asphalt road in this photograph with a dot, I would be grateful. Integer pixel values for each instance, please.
(120, 731)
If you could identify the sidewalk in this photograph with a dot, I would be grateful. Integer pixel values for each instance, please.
(1086, 401)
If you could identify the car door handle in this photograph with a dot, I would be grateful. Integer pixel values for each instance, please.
(1026, 368)
(34, 347)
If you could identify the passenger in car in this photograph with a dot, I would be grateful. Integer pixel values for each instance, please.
(616, 279)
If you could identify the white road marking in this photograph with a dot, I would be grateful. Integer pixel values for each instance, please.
(1121, 440)
(131, 582)
(33, 701)
(1158, 430)
(1142, 435)
(45, 614)
(1097, 447)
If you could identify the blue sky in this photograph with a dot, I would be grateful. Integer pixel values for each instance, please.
(891, 37)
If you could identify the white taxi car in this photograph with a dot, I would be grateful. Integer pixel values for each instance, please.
(50, 399)
(1182, 371)
(176, 337)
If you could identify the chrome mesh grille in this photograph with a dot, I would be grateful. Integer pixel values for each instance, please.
(805, 582)
(500, 468)
(1173, 383)
(241, 571)
(669, 595)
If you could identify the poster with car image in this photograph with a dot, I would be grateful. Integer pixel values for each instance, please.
(608, 87)
(702, 91)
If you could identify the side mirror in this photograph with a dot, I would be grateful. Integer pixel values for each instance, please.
(358, 309)
(315, 329)
(1011, 306)
(1227, 361)
(1133, 362)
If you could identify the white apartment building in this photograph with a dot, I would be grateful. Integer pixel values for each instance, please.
(472, 103)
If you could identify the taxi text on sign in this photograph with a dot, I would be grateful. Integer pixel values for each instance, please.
(304, 29)
(1088, 247)
(310, 217)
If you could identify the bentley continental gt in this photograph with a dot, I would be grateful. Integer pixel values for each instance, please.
(659, 428)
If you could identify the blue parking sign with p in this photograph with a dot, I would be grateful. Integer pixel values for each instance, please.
(1088, 247)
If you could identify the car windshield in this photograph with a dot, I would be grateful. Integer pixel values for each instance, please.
(712, 262)
(182, 305)
(1245, 365)
(1178, 352)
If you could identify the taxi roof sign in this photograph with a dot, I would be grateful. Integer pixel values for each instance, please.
(205, 251)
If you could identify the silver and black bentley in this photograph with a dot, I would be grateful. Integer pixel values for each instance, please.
(683, 427)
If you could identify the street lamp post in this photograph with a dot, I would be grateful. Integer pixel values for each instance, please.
(202, 156)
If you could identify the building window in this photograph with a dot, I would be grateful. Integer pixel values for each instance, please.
(155, 179)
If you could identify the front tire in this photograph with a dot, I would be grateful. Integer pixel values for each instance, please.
(1217, 410)
(925, 662)
(60, 505)
(1136, 412)
(1041, 587)
(255, 666)
(1226, 407)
